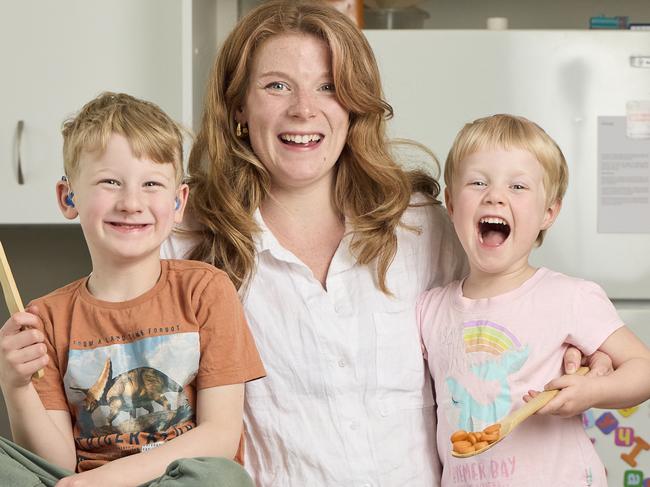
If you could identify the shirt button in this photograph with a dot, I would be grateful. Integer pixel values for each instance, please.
(341, 363)
(354, 425)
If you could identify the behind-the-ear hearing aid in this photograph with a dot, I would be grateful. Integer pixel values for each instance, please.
(178, 203)
(70, 195)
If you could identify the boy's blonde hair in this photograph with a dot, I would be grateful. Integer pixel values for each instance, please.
(150, 131)
(512, 132)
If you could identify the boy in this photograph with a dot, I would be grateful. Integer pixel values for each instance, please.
(504, 328)
(140, 352)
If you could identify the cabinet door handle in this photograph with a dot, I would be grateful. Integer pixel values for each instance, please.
(19, 138)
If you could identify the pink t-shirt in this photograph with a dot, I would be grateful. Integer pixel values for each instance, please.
(485, 354)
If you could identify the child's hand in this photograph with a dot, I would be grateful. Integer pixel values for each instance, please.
(577, 394)
(599, 363)
(22, 351)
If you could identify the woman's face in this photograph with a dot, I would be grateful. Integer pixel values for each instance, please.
(297, 127)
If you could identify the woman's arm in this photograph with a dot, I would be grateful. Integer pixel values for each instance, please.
(219, 412)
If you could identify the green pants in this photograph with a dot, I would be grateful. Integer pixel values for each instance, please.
(21, 468)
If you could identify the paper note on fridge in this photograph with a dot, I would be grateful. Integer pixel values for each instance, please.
(623, 179)
(638, 119)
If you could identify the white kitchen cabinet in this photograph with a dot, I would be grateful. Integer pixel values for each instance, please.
(57, 55)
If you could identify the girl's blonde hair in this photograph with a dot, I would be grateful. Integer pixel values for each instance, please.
(512, 132)
(227, 180)
(150, 131)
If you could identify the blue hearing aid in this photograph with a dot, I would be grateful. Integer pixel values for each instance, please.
(69, 196)
(178, 203)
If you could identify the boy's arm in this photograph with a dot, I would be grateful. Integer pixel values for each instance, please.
(219, 412)
(46, 433)
(627, 386)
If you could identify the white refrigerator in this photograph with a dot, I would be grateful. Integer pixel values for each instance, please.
(590, 90)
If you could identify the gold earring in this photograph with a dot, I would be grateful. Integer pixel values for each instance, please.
(241, 131)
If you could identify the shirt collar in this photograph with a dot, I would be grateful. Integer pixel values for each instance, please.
(265, 241)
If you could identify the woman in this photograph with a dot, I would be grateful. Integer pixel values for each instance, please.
(294, 192)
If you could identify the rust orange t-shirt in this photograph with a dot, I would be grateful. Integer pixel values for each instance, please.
(128, 372)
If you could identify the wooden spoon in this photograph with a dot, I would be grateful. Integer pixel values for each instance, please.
(9, 289)
(512, 420)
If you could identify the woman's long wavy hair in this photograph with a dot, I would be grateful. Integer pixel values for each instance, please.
(227, 180)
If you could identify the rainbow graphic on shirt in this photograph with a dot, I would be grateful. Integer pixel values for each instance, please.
(501, 355)
(485, 336)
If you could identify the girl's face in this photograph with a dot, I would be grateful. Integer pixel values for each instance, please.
(297, 127)
(498, 205)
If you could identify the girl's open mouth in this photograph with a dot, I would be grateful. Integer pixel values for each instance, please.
(493, 231)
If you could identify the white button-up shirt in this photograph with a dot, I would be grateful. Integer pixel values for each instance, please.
(347, 400)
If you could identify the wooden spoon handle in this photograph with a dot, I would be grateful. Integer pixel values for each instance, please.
(10, 291)
(531, 407)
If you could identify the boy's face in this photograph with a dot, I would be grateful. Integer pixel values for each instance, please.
(126, 206)
(497, 204)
